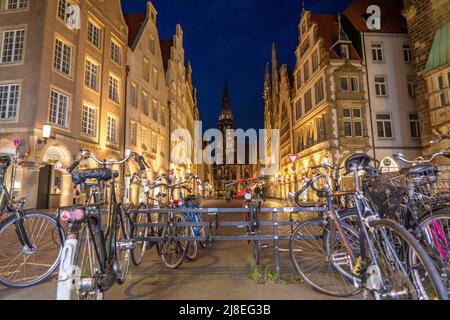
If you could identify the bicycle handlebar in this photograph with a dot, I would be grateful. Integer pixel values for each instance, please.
(421, 160)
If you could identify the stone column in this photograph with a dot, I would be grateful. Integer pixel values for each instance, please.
(67, 191)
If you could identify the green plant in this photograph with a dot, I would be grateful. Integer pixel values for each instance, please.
(255, 275)
(272, 276)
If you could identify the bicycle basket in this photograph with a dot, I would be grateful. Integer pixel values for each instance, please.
(387, 191)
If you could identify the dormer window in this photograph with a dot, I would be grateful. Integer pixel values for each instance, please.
(345, 52)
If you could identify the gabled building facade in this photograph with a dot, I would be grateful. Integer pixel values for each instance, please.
(68, 76)
(329, 103)
(147, 111)
(389, 80)
(182, 99)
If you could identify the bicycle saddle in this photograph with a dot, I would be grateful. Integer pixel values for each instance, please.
(423, 169)
(360, 161)
(102, 174)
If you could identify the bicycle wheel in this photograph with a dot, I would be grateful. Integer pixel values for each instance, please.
(138, 252)
(20, 266)
(122, 246)
(86, 266)
(434, 229)
(321, 260)
(173, 251)
(192, 246)
(403, 269)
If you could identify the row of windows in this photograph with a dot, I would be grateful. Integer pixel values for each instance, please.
(353, 128)
(353, 124)
(145, 104)
(378, 52)
(144, 137)
(319, 96)
(58, 111)
(303, 74)
(146, 70)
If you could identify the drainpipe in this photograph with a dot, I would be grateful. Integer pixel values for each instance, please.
(368, 93)
(127, 73)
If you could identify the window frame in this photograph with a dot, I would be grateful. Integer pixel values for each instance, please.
(407, 53)
(133, 133)
(357, 84)
(346, 81)
(311, 106)
(134, 95)
(8, 106)
(109, 129)
(96, 64)
(118, 51)
(379, 51)
(384, 121)
(114, 77)
(411, 87)
(17, 9)
(352, 120)
(14, 49)
(89, 121)
(380, 84)
(345, 56)
(60, 94)
(416, 123)
(90, 22)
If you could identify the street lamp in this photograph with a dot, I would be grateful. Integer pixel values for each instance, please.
(46, 133)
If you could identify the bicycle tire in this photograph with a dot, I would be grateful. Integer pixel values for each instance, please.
(45, 259)
(138, 252)
(192, 247)
(123, 229)
(416, 282)
(431, 272)
(173, 252)
(307, 245)
(82, 278)
(440, 255)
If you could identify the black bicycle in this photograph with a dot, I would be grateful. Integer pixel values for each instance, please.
(97, 252)
(30, 242)
(342, 257)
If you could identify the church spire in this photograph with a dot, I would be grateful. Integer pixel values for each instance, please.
(226, 103)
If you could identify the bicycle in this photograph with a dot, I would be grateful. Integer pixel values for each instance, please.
(140, 247)
(252, 202)
(97, 252)
(30, 242)
(193, 217)
(343, 258)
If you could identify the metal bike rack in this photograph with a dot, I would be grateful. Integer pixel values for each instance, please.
(275, 223)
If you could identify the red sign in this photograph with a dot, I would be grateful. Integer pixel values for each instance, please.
(16, 142)
(293, 158)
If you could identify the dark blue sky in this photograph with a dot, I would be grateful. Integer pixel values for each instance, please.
(233, 39)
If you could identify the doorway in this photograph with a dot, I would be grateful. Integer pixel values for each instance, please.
(43, 198)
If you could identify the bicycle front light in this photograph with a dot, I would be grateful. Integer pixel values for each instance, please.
(248, 196)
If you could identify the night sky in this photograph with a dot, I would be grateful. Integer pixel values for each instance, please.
(233, 39)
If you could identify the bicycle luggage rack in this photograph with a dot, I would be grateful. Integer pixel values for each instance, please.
(212, 225)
